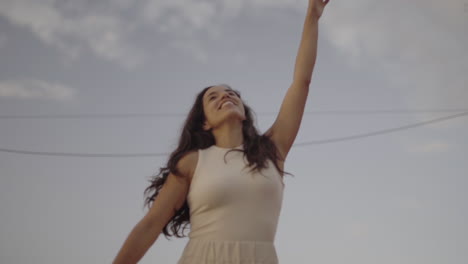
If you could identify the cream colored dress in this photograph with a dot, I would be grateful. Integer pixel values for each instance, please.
(233, 213)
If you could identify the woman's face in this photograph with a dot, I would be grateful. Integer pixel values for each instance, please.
(221, 103)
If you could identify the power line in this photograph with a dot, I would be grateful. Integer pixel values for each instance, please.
(63, 154)
(151, 115)
(386, 131)
(298, 144)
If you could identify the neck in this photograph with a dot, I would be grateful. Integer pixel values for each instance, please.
(229, 135)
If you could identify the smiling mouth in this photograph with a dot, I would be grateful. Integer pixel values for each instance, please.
(221, 106)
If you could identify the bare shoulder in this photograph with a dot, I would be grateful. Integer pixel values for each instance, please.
(174, 192)
(188, 163)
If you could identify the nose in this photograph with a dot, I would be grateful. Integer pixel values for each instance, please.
(225, 94)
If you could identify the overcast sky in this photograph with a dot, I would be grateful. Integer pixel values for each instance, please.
(369, 187)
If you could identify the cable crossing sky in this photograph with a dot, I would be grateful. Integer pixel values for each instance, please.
(325, 141)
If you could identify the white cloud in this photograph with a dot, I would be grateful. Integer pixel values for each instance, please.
(179, 15)
(29, 89)
(420, 46)
(105, 34)
(185, 18)
(103, 28)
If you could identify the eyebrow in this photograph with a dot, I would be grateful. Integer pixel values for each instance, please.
(227, 89)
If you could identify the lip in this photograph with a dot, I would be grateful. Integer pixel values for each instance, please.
(219, 106)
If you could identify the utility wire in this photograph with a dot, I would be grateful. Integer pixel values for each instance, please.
(386, 131)
(298, 144)
(151, 115)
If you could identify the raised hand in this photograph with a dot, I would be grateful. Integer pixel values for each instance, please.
(316, 7)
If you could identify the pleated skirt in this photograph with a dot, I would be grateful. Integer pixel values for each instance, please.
(203, 251)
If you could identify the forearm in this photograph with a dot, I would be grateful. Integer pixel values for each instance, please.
(307, 53)
(137, 243)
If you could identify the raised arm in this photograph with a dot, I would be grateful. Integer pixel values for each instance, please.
(286, 126)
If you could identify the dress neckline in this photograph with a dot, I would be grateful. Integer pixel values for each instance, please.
(238, 147)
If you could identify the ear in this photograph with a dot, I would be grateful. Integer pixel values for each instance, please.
(206, 126)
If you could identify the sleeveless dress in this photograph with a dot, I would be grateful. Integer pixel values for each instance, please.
(233, 212)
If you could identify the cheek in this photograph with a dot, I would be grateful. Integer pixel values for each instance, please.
(243, 109)
(210, 112)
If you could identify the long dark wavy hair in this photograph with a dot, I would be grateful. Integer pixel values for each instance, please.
(257, 148)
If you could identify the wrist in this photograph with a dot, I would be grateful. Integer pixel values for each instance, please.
(312, 16)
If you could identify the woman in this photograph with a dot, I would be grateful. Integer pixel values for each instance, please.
(224, 178)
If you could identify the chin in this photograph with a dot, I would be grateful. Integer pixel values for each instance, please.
(233, 115)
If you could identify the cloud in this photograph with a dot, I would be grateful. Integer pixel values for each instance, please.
(73, 27)
(192, 15)
(185, 19)
(106, 27)
(419, 45)
(29, 89)
(195, 14)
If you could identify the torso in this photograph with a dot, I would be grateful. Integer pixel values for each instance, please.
(234, 211)
(193, 159)
(224, 193)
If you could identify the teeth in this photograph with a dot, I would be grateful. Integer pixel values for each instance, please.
(226, 103)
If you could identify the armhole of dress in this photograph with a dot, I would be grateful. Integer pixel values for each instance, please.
(281, 177)
(195, 171)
